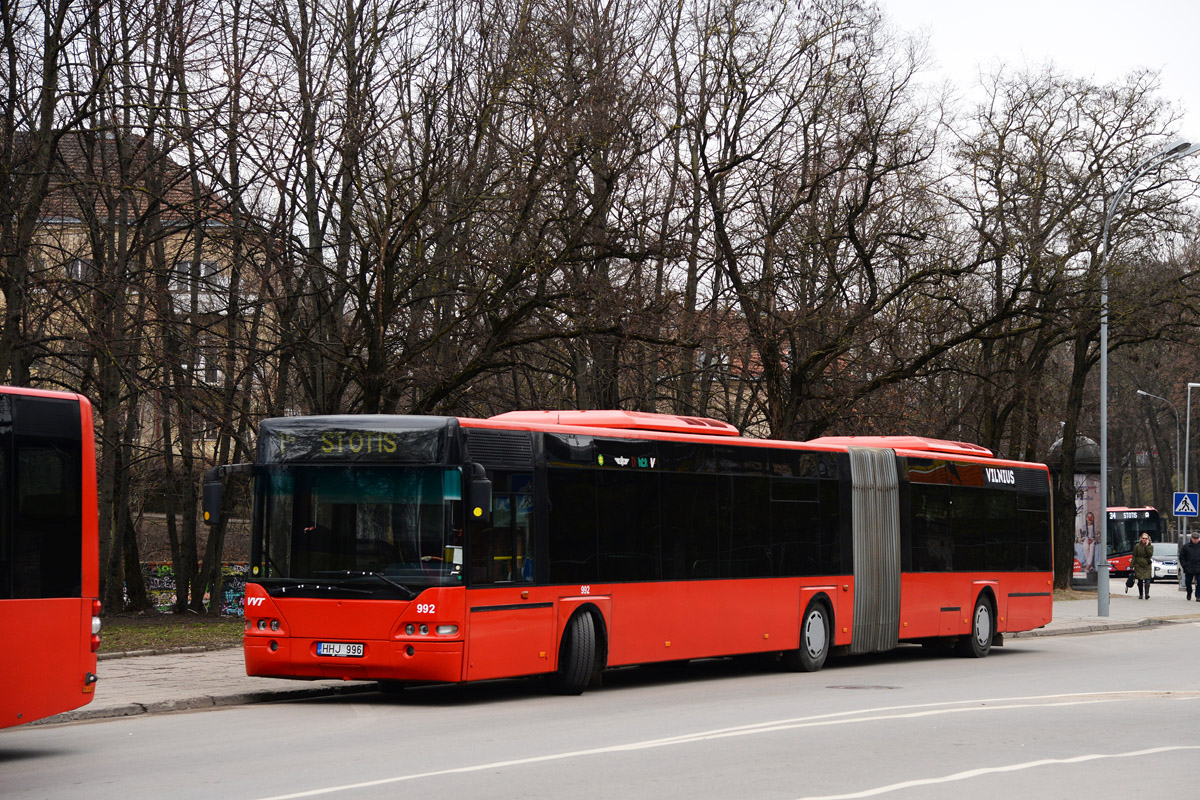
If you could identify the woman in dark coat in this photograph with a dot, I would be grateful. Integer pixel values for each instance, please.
(1143, 569)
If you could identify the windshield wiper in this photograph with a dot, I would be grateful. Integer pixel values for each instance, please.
(300, 588)
(351, 573)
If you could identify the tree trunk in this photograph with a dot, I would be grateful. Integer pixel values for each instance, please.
(137, 598)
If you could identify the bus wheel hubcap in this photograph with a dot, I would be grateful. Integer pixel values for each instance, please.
(814, 634)
(983, 624)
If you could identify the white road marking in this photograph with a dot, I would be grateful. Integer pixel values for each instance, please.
(821, 720)
(975, 773)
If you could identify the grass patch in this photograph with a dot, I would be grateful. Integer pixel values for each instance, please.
(122, 633)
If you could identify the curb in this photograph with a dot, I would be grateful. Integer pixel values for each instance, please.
(169, 651)
(205, 701)
(1068, 628)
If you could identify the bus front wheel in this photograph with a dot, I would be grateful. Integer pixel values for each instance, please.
(577, 656)
(983, 628)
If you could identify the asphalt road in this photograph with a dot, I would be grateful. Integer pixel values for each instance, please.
(1102, 715)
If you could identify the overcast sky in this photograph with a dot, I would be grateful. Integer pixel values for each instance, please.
(1100, 39)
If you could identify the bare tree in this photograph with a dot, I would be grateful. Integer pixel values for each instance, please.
(51, 81)
(1047, 160)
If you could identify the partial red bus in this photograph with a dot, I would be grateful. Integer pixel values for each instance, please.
(437, 549)
(1125, 527)
(49, 579)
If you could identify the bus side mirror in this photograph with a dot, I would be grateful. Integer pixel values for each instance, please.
(213, 493)
(479, 496)
(210, 501)
(481, 500)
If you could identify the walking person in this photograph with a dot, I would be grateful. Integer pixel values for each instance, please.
(1189, 562)
(1143, 567)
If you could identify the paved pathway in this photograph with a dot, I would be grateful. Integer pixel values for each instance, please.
(149, 684)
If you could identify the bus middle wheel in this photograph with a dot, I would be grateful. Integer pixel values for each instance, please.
(814, 640)
(577, 656)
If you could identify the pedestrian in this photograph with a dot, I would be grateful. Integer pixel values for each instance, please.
(1189, 562)
(1143, 567)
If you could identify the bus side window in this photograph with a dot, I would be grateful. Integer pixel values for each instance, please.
(522, 519)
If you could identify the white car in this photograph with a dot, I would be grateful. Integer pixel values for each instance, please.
(1165, 561)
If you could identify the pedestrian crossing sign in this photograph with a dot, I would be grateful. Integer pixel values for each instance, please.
(1187, 504)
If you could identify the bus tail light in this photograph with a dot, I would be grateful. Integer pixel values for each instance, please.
(95, 625)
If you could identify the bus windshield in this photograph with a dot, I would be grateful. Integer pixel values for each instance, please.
(1126, 526)
(358, 531)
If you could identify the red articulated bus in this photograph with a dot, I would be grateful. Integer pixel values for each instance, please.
(49, 562)
(412, 549)
(1125, 527)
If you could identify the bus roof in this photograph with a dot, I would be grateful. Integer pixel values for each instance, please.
(48, 393)
(623, 420)
(915, 443)
(612, 419)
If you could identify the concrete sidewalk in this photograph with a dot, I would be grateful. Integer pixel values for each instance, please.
(1165, 605)
(151, 684)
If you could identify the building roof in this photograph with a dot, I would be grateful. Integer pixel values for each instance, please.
(97, 171)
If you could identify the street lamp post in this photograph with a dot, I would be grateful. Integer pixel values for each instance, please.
(1172, 152)
(1175, 484)
(1187, 450)
(1170, 405)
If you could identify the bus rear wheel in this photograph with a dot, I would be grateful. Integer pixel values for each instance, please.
(814, 640)
(576, 656)
(983, 628)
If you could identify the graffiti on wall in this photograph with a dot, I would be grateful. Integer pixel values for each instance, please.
(160, 586)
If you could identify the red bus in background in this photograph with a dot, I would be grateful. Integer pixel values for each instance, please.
(49, 562)
(1125, 527)
(411, 549)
